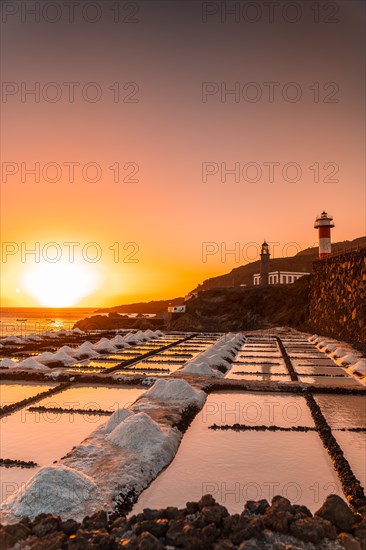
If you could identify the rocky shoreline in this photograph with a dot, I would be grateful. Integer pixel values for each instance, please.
(202, 525)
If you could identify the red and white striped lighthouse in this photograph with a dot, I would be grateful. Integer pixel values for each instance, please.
(324, 223)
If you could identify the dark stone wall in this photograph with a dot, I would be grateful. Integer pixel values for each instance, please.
(338, 297)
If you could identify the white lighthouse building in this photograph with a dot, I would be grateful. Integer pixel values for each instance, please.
(324, 223)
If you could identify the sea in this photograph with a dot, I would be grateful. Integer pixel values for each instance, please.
(21, 321)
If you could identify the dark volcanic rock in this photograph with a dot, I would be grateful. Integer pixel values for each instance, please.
(336, 510)
(19, 531)
(279, 515)
(6, 540)
(46, 525)
(349, 542)
(203, 525)
(256, 506)
(313, 530)
(147, 541)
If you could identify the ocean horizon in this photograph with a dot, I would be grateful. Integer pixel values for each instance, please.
(25, 320)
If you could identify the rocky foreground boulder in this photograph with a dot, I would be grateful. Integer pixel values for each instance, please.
(202, 525)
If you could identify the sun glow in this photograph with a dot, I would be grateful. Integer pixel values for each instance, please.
(61, 284)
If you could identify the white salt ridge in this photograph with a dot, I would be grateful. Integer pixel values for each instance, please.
(329, 348)
(85, 350)
(354, 365)
(120, 342)
(337, 353)
(54, 489)
(117, 417)
(50, 334)
(142, 335)
(104, 346)
(346, 360)
(141, 434)
(7, 363)
(202, 369)
(322, 344)
(216, 356)
(108, 463)
(33, 337)
(150, 334)
(177, 391)
(13, 340)
(67, 349)
(60, 356)
(31, 363)
(359, 367)
(63, 357)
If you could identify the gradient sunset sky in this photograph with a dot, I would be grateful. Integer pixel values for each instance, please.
(167, 129)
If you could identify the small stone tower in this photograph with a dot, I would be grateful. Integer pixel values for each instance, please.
(265, 256)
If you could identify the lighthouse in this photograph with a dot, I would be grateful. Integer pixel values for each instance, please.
(324, 223)
(265, 255)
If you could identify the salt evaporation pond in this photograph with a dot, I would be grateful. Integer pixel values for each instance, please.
(264, 377)
(237, 466)
(44, 437)
(353, 444)
(256, 368)
(329, 381)
(13, 479)
(343, 411)
(315, 370)
(256, 409)
(259, 360)
(107, 398)
(313, 363)
(162, 368)
(12, 393)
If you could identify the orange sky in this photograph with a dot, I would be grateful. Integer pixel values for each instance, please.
(169, 133)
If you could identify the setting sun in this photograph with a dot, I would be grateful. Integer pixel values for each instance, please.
(60, 284)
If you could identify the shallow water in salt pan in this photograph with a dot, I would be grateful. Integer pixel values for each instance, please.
(343, 411)
(264, 377)
(107, 398)
(321, 371)
(13, 479)
(353, 445)
(256, 368)
(237, 466)
(256, 409)
(42, 438)
(12, 393)
(329, 381)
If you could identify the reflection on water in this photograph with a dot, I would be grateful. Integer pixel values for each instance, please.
(44, 437)
(255, 409)
(329, 381)
(265, 377)
(94, 397)
(12, 393)
(237, 466)
(353, 445)
(13, 479)
(41, 437)
(343, 411)
(333, 371)
(257, 368)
